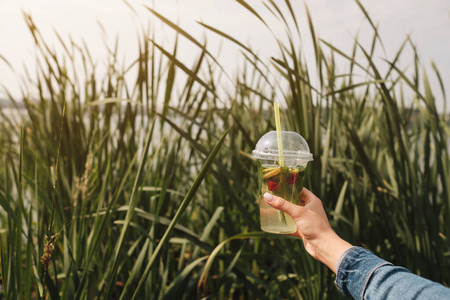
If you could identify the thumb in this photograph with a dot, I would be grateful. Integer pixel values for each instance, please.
(280, 204)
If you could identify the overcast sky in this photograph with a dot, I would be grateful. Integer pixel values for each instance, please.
(427, 21)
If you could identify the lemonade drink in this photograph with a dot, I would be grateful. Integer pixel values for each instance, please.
(285, 182)
(280, 174)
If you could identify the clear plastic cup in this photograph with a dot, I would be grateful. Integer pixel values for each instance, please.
(280, 180)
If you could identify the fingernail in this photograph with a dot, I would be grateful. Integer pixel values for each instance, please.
(269, 197)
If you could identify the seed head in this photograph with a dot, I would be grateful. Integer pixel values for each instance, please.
(48, 250)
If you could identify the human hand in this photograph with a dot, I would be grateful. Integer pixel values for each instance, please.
(320, 241)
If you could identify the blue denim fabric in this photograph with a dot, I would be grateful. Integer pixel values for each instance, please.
(362, 275)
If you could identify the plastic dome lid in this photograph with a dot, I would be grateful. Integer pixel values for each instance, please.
(294, 147)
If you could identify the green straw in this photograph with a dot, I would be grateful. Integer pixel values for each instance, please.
(276, 108)
(278, 126)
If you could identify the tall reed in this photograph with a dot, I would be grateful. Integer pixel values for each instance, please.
(152, 189)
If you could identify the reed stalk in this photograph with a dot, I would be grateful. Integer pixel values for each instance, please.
(145, 203)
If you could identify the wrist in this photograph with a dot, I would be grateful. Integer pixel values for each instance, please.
(330, 249)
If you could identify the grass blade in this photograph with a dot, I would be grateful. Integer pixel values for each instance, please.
(182, 208)
(133, 202)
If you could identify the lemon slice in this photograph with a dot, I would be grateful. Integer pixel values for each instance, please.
(267, 173)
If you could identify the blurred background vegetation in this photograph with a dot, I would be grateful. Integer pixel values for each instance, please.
(114, 188)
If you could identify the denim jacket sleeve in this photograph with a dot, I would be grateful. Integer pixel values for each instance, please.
(362, 275)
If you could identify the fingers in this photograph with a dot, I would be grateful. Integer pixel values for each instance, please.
(280, 203)
(308, 197)
(308, 201)
(306, 193)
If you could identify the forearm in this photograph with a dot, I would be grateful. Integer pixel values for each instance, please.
(362, 275)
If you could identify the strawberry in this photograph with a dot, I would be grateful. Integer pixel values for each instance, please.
(273, 185)
(293, 177)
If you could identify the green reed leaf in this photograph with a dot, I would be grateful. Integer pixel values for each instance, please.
(182, 208)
